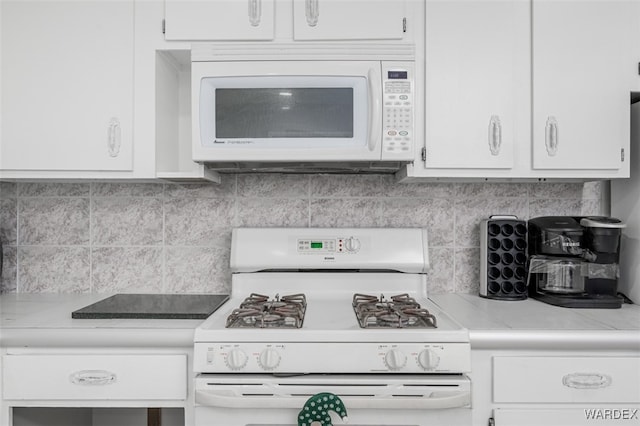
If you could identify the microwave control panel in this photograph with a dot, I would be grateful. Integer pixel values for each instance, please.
(397, 112)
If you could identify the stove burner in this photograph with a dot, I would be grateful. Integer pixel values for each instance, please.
(402, 311)
(258, 311)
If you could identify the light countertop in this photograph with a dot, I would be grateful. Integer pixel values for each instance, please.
(530, 324)
(45, 320)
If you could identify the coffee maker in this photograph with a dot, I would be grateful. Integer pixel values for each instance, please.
(573, 261)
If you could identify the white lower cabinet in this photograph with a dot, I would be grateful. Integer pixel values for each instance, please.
(65, 416)
(89, 388)
(554, 388)
(555, 380)
(565, 416)
(80, 377)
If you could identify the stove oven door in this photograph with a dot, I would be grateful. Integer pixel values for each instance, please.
(370, 400)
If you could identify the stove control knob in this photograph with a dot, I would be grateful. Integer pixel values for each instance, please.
(428, 359)
(269, 359)
(236, 359)
(395, 359)
(352, 244)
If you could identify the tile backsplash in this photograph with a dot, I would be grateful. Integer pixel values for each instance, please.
(108, 237)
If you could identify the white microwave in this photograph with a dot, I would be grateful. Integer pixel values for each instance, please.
(296, 115)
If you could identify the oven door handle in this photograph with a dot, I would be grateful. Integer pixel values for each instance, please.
(436, 400)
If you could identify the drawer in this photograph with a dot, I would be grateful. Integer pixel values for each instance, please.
(94, 377)
(566, 417)
(566, 379)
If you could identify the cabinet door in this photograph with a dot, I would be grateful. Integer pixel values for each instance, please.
(67, 85)
(472, 50)
(219, 19)
(584, 67)
(348, 19)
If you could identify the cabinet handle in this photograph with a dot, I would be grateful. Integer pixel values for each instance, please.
(92, 377)
(586, 380)
(495, 135)
(312, 11)
(255, 12)
(113, 137)
(551, 136)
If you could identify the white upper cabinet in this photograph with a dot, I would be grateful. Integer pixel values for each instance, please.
(349, 19)
(219, 19)
(229, 20)
(67, 85)
(471, 55)
(528, 89)
(584, 66)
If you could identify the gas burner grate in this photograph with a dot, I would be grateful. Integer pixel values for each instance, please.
(258, 311)
(401, 311)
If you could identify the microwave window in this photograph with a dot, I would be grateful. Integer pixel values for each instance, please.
(284, 113)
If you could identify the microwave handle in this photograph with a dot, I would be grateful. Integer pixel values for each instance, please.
(375, 113)
(437, 400)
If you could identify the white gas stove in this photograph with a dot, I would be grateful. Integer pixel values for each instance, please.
(380, 271)
(340, 312)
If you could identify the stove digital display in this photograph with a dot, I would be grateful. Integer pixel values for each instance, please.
(318, 246)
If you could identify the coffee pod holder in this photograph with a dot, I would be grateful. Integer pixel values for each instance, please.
(503, 258)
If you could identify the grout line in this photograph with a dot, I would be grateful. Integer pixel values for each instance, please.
(455, 244)
(91, 188)
(17, 239)
(164, 242)
(309, 201)
(235, 221)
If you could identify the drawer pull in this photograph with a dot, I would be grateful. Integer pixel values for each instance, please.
(93, 377)
(586, 380)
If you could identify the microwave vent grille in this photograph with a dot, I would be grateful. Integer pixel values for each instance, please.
(211, 52)
(378, 167)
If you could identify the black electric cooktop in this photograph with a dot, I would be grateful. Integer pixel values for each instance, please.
(153, 306)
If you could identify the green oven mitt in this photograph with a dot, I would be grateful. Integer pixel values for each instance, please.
(317, 408)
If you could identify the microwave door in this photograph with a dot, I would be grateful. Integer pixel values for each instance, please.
(286, 116)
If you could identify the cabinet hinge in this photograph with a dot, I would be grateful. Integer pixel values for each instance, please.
(164, 26)
(622, 155)
(404, 25)
(424, 154)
